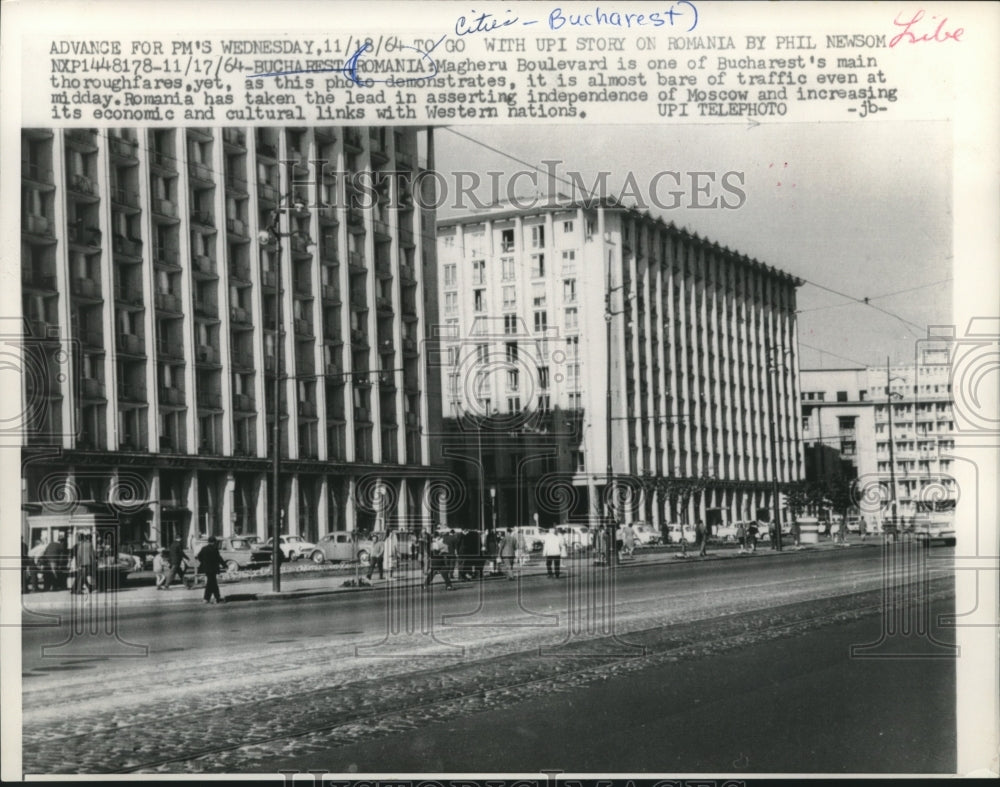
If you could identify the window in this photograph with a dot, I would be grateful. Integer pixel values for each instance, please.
(848, 448)
(805, 423)
(543, 377)
(541, 322)
(513, 404)
(509, 296)
(479, 300)
(569, 290)
(510, 352)
(513, 380)
(579, 465)
(575, 401)
(450, 302)
(507, 240)
(482, 353)
(573, 348)
(846, 423)
(479, 271)
(537, 265)
(572, 319)
(573, 376)
(589, 230)
(450, 275)
(451, 328)
(538, 236)
(544, 403)
(841, 396)
(510, 323)
(569, 261)
(538, 294)
(453, 356)
(567, 226)
(507, 268)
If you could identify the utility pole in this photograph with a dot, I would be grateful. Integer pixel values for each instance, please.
(608, 471)
(892, 454)
(772, 367)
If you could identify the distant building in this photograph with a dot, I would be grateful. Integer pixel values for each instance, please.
(846, 418)
(150, 303)
(522, 297)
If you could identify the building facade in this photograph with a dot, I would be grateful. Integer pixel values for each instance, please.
(846, 417)
(579, 338)
(152, 290)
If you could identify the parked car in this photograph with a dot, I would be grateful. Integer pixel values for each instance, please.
(675, 532)
(143, 551)
(646, 535)
(726, 532)
(293, 547)
(929, 532)
(108, 565)
(578, 537)
(344, 545)
(237, 552)
(533, 536)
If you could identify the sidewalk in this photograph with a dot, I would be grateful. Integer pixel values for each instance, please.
(305, 584)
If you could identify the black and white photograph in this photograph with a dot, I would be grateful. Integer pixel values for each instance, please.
(427, 393)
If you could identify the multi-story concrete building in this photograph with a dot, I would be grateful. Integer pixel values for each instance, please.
(151, 288)
(529, 299)
(846, 416)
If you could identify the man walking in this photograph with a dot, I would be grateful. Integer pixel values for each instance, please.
(451, 543)
(56, 558)
(439, 564)
(210, 563)
(552, 548)
(178, 562)
(377, 557)
(83, 557)
(702, 530)
(508, 551)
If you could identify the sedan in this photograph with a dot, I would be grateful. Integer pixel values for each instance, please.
(343, 546)
(293, 547)
(646, 535)
(935, 531)
(237, 553)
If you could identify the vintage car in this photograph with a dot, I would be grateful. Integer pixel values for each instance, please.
(237, 552)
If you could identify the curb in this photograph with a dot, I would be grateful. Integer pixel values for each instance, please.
(191, 595)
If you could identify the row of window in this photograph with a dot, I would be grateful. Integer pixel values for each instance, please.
(508, 268)
(475, 241)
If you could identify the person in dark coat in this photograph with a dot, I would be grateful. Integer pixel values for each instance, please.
(178, 561)
(440, 563)
(56, 560)
(211, 564)
(83, 557)
(472, 559)
(452, 542)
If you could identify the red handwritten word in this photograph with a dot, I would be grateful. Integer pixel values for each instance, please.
(912, 36)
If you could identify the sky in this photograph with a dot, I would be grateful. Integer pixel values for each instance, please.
(862, 209)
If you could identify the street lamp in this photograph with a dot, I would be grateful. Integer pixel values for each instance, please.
(272, 234)
(889, 396)
(772, 368)
(609, 470)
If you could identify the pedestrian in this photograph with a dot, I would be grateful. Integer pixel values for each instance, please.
(36, 568)
(509, 552)
(452, 542)
(439, 563)
(752, 529)
(843, 531)
(25, 567)
(161, 568)
(796, 532)
(210, 563)
(178, 562)
(628, 540)
(492, 552)
(863, 528)
(619, 540)
(377, 557)
(390, 555)
(741, 535)
(552, 548)
(83, 558)
(471, 557)
(56, 560)
(600, 546)
(702, 529)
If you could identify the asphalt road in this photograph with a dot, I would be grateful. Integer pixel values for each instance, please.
(740, 661)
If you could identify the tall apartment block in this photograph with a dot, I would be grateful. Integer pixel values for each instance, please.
(848, 412)
(150, 300)
(702, 364)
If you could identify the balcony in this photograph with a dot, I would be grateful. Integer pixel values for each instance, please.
(81, 184)
(128, 296)
(355, 220)
(91, 388)
(381, 228)
(383, 269)
(268, 279)
(384, 305)
(209, 400)
(405, 236)
(412, 420)
(356, 262)
(37, 224)
(166, 256)
(242, 361)
(244, 403)
(236, 227)
(267, 192)
(406, 274)
(362, 414)
(328, 216)
(358, 337)
(302, 287)
(130, 344)
(128, 247)
(352, 140)
(333, 370)
(83, 288)
(307, 409)
(409, 346)
(164, 207)
(239, 315)
(302, 327)
(331, 293)
(203, 218)
(170, 350)
(239, 272)
(403, 160)
(171, 396)
(37, 173)
(123, 148)
(201, 172)
(235, 138)
(131, 392)
(206, 354)
(163, 160)
(125, 198)
(236, 185)
(206, 308)
(267, 151)
(204, 264)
